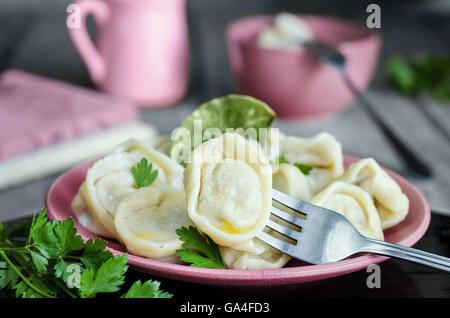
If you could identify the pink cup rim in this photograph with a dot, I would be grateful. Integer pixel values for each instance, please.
(236, 25)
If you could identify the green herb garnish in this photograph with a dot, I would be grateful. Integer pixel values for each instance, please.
(43, 259)
(426, 73)
(149, 289)
(144, 174)
(199, 251)
(304, 168)
(281, 159)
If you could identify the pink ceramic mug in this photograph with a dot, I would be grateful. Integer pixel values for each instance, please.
(142, 50)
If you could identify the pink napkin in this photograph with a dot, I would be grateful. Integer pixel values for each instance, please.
(36, 111)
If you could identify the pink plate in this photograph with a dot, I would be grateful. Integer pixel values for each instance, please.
(408, 232)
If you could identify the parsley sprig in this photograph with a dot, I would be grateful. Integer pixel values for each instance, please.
(304, 168)
(281, 159)
(43, 259)
(427, 73)
(144, 174)
(200, 251)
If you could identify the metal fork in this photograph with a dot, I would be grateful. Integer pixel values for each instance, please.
(325, 236)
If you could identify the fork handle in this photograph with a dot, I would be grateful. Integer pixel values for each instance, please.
(409, 157)
(407, 253)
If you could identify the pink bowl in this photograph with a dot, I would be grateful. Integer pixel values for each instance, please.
(292, 81)
(408, 232)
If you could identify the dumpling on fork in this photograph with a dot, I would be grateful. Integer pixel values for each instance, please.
(355, 204)
(228, 184)
(267, 257)
(392, 204)
(110, 179)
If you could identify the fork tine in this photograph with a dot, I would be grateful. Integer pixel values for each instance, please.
(301, 206)
(291, 202)
(281, 245)
(290, 233)
(295, 220)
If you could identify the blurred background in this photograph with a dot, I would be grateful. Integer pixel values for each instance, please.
(419, 118)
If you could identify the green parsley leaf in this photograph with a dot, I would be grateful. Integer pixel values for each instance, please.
(282, 159)
(194, 242)
(37, 263)
(64, 269)
(43, 238)
(23, 290)
(402, 74)
(95, 254)
(150, 289)
(425, 73)
(52, 240)
(7, 276)
(143, 174)
(37, 223)
(304, 168)
(108, 279)
(65, 233)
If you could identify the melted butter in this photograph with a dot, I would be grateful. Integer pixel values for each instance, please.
(145, 235)
(231, 229)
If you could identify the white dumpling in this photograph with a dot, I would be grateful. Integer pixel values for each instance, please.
(228, 186)
(271, 143)
(107, 182)
(84, 217)
(146, 221)
(161, 143)
(169, 172)
(267, 258)
(289, 179)
(321, 151)
(392, 204)
(110, 179)
(355, 204)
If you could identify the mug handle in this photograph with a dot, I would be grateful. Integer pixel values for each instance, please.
(80, 36)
